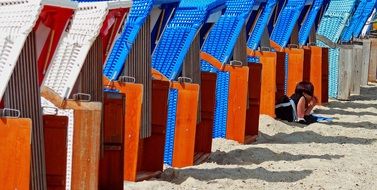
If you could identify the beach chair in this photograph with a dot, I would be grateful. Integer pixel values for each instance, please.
(21, 46)
(232, 92)
(127, 70)
(178, 52)
(332, 24)
(272, 76)
(318, 55)
(296, 60)
(72, 88)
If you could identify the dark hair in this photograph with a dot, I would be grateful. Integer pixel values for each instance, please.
(305, 86)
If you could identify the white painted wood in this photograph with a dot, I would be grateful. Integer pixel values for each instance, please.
(365, 63)
(71, 52)
(17, 19)
(345, 72)
(372, 73)
(356, 69)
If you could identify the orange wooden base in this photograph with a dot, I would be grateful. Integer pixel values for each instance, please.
(237, 102)
(319, 69)
(138, 164)
(15, 153)
(298, 67)
(86, 139)
(132, 124)
(151, 149)
(272, 85)
(186, 119)
(203, 137)
(238, 128)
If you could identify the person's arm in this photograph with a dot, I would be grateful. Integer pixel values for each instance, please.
(311, 105)
(301, 108)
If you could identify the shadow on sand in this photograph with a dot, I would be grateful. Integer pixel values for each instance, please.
(366, 93)
(310, 137)
(364, 125)
(178, 176)
(256, 155)
(332, 111)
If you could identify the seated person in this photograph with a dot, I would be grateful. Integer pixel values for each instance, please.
(299, 106)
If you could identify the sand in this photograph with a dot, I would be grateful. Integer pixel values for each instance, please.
(337, 155)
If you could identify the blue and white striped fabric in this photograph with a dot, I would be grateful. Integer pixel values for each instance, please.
(117, 57)
(306, 27)
(335, 19)
(220, 44)
(257, 33)
(286, 22)
(367, 12)
(332, 25)
(175, 41)
(355, 18)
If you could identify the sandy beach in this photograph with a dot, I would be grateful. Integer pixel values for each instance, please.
(337, 155)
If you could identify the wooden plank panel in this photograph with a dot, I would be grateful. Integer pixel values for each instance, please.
(239, 78)
(269, 83)
(15, 153)
(133, 112)
(55, 138)
(366, 59)
(372, 74)
(138, 65)
(345, 72)
(298, 67)
(203, 139)
(23, 93)
(356, 69)
(253, 111)
(185, 128)
(319, 72)
(153, 146)
(86, 148)
(112, 159)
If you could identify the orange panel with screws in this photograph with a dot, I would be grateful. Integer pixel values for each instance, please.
(319, 64)
(272, 79)
(186, 119)
(15, 152)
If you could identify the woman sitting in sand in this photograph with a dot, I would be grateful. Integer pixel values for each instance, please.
(298, 108)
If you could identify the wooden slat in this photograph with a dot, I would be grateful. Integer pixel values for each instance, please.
(366, 59)
(239, 52)
(55, 138)
(86, 149)
(153, 146)
(112, 159)
(372, 74)
(138, 65)
(203, 137)
(356, 69)
(15, 152)
(253, 111)
(90, 77)
(23, 94)
(346, 58)
(191, 67)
